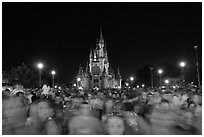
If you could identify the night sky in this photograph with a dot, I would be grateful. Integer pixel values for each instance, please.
(61, 34)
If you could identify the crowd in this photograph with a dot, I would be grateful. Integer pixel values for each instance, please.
(102, 112)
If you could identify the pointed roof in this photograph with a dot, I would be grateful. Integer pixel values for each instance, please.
(87, 67)
(87, 73)
(91, 53)
(118, 73)
(101, 35)
(111, 71)
(80, 71)
(95, 54)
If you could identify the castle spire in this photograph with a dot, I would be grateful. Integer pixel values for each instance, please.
(80, 71)
(87, 70)
(118, 73)
(95, 55)
(100, 43)
(91, 53)
(101, 35)
(87, 67)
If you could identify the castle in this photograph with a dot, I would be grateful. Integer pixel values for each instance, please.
(98, 73)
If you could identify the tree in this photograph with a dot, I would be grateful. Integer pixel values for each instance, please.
(23, 75)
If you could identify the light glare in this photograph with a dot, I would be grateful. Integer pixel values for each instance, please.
(40, 65)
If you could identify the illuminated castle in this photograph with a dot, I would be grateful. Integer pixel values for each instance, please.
(98, 73)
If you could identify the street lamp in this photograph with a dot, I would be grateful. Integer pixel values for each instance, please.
(40, 66)
(160, 71)
(78, 82)
(166, 81)
(78, 79)
(197, 65)
(132, 79)
(53, 78)
(182, 65)
(151, 69)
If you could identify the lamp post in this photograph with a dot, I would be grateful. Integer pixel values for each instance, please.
(182, 64)
(132, 79)
(40, 66)
(160, 71)
(197, 65)
(151, 69)
(53, 78)
(78, 82)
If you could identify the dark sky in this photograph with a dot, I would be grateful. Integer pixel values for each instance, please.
(61, 34)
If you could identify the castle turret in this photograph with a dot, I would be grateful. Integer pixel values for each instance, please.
(118, 76)
(80, 73)
(87, 70)
(95, 56)
(91, 54)
(118, 79)
(101, 40)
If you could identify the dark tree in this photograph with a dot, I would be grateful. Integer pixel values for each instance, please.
(23, 75)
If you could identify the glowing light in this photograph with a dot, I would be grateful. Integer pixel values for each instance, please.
(138, 86)
(131, 78)
(78, 79)
(53, 72)
(166, 81)
(55, 86)
(160, 71)
(143, 85)
(74, 85)
(40, 65)
(182, 64)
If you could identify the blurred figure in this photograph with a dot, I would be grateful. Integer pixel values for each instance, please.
(162, 121)
(185, 125)
(115, 125)
(14, 117)
(85, 123)
(109, 103)
(39, 121)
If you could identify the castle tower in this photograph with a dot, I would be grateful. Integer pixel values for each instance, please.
(118, 79)
(98, 72)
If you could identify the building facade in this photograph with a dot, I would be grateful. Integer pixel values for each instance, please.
(98, 72)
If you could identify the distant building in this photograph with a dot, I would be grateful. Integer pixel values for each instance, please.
(98, 72)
